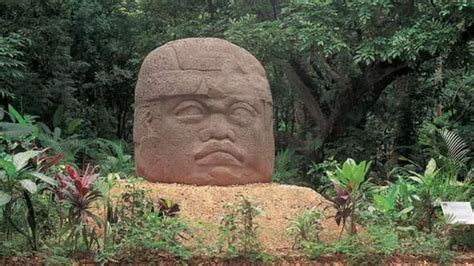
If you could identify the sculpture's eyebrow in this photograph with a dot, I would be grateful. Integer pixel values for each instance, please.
(187, 103)
(244, 104)
(168, 103)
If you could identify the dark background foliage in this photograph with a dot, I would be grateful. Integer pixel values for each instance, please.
(365, 79)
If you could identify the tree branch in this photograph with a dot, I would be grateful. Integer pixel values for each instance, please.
(306, 96)
(340, 80)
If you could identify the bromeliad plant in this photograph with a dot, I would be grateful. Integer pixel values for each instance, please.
(347, 183)
(77, 191)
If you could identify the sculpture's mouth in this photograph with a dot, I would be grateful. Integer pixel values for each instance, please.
(219, 153)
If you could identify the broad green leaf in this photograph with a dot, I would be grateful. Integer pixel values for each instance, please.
(332, 176)
(392, 194)
(44, 178)
(431, 167)
(44, 127)
(72, 125)
(407, 228)
(8, 167)
(2, 113)
(57, 133)
(20, 160)
(382, 203)
(111, 178)
(416, 197)
(15, 116)
(58, 116)
(14, 131)
(4, 198)
(405, 211)
(29, 185)
(367, 167)
(416, 179)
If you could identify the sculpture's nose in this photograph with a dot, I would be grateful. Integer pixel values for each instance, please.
(218, 129)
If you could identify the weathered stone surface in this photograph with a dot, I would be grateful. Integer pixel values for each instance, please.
(203, 115)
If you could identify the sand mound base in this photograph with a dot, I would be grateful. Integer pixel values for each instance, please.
(203, 208)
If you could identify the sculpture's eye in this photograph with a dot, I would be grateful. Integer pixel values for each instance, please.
(189, 111)
(242, 113)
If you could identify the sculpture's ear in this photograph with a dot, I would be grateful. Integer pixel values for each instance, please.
(268, 114)
(148, 158)
(141, 126)
(146, 121)
(148, 116)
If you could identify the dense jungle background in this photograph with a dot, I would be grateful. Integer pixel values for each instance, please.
(385, 81)
(364, 79)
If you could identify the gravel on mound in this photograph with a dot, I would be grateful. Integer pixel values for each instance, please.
(280, 204)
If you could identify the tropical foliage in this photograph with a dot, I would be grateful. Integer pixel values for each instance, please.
(387, 83)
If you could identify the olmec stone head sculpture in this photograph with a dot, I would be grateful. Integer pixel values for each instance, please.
(203, 115)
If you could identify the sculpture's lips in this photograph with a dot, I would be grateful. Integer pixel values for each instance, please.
(219, 153)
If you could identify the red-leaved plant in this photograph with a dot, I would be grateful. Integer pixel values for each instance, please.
(77, 190)
(342, 202)
(45, 162)
(348, 182)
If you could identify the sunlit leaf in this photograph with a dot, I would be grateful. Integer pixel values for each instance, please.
(44, 178)
(4, 198)
(29, 185)
(430, 168)
(20, 160)
(8, 167)
(15, 116)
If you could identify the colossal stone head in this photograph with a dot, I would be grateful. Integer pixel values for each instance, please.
(203, 115)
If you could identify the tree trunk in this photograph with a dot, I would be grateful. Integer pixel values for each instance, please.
(355, 96)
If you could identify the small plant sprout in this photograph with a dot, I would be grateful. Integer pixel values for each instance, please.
(167, 208)
(306, 227)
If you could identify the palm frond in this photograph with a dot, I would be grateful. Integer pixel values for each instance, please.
(457, 148)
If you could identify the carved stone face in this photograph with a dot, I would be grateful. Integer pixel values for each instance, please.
(203, 115)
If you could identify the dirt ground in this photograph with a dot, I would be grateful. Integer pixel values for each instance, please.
(203, 208)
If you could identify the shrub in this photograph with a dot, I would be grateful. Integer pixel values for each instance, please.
(306, 227)
(159, 233)
(238, 229)
(370, 247)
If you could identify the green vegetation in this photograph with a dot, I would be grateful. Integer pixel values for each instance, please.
(389, 84)
(306, 228)
(238, 230)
